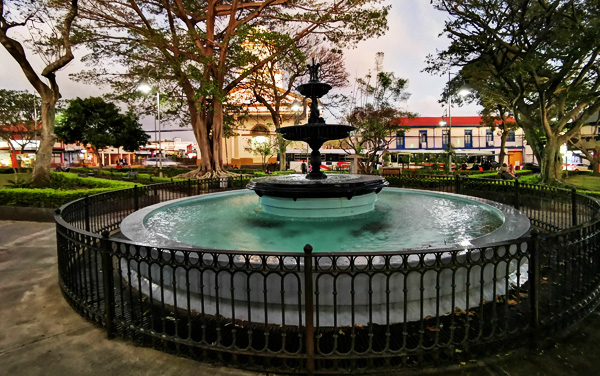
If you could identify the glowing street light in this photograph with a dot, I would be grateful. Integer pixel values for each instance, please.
(145, 87)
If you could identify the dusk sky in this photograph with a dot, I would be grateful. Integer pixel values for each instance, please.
(414, 27)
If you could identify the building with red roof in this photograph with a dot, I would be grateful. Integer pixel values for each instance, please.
(468, 135)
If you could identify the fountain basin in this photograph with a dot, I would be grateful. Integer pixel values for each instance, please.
(252, 296)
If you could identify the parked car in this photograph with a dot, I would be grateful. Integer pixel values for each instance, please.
(156, 162)
(576, 167)
(531, 167)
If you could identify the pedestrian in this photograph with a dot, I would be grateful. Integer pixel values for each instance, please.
(504, 173)
(303, 167)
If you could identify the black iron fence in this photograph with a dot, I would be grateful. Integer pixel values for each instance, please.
(319, 313)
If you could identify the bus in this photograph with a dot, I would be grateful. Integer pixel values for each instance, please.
(462, 159)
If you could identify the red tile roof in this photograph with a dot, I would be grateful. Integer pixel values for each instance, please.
(435, 120)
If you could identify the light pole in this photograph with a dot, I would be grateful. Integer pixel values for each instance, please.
(462, 92)
(146, 88)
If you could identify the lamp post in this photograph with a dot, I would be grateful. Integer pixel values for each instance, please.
(146, 88)
(462, 92)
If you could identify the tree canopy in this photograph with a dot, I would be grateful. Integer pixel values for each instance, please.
(19, 120)
(49, 28)
(540, 56)
(100, 124)
(200, 51)
(374, 112)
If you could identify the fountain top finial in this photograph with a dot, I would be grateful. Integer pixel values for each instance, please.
(313, 70)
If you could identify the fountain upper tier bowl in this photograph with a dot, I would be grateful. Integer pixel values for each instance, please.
(320, 131)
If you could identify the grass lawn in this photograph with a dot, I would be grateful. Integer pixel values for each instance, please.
(4, 178)
(585, 182)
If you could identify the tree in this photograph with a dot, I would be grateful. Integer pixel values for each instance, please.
(199, 47)
(265, 148)
(100, 124)
(375, 118)
(499, 118)
(49, 25)
(495, 113)
(544, 57)
(273, 85)
(19, 121)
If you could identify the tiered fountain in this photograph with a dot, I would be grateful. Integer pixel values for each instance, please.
(317, 195)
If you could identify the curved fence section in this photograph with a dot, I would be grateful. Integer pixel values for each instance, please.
(340, 312)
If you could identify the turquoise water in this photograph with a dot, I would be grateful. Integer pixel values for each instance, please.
(401, 219)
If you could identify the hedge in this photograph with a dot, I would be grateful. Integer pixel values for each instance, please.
(9, 170)
(53, 198)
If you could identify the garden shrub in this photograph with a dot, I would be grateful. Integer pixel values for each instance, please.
(60, 191)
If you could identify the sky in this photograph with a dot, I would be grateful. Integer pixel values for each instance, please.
(414, 28)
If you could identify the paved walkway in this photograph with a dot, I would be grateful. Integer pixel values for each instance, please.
(40, 334)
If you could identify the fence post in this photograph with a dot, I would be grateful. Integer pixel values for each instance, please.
(309, 329)
(574, 206)
(517, 197)
(86, 212)
(108, 284)
(457, 182)
(136, 198)
(534, 283)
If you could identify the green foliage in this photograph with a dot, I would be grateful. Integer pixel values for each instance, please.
(536, 58)
(53, 197)
(18, 108)
(7, 170)
(262, 173)
(203, 65)
(375, 117)
(19, 182)
(94, 121)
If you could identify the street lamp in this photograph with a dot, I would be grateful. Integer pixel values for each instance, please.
(463, 91)
(145, 87)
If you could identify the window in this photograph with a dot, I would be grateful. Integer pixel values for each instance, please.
(423, 139)
(400, 142)
(489, 137)
(469, 138)
(445, 138)
(511, 136)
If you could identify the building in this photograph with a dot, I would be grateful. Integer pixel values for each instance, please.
(469, 137)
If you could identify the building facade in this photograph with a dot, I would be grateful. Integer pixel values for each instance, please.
(467, 134)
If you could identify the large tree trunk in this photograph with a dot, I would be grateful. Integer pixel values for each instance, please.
(217, 136)
(211, 160)
(551, 163)
(41, 168)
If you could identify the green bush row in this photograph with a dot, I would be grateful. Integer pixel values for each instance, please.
(55, 197)
(9, 170)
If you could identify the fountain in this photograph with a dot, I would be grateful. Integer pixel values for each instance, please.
(349, 214)
(317, 195)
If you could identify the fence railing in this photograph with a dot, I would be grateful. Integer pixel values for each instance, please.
(318, 313)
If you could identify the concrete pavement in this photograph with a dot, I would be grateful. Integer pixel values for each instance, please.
(40, 334)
